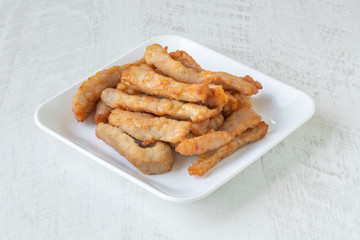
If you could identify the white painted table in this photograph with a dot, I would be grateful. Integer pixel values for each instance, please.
(308, 187)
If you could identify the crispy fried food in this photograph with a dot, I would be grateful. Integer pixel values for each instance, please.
(159, 106)
(200, 128)
(190, 135)
(204, 162)
(152, 160)
(132, 90)
(102, 112)
(203, 127)
(234, 125)
(240, 120)
(216, 97)
(204, 143)
(216, 122)
(157, 56)
(186, 60)
(231, 82)
(243, 100)
(231, 106)
(146, 79)
(150, 129)
(253, 82)
(89, 92)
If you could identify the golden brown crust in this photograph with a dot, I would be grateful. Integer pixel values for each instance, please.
(157, 56)
(203, 127)
(149, 129)
(148, 81)
(88, 94)
(253, 82)
(204, 143)
(186, 60)
(216, 97)
(231, 82)
(102, 112)
(158, 106)
(231, 106)
(190, 135)
(152, 160)
(216, 122)
(200, 128)
(204, 162)
(240, 120)
(243, 100)
(129, 89)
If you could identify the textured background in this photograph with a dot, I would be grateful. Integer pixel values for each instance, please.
(307, 187)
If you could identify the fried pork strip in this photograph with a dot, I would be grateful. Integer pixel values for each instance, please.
(157, 56)
(102, 112)
(150, 129)
(216, 122)
(190, 135)
(148, 81)
(252, 81)
(216, 97)
(204, 162)
(243, 100)
(204, 143)
(186, 60)
(234, 125)
(240, 120)
(158, 106)
(203, 127)
(231, 106)
(231, 82)
(245, 85)
(132, 90)
(89, 92)
(152, 160)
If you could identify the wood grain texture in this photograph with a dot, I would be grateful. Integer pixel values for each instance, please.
(307, 187)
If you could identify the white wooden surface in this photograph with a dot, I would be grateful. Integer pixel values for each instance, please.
(308, 187)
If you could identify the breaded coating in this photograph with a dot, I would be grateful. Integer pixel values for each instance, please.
(216, 122)
(227, 80)
(231, 106)
(89, 92)
(129, 89)
(152, 160)
(157, 56)
(203, 127)
(102, 112)
(231, 82)
(150, 129)
(216, 97)
(202, 144)
(253, 82)
(240, 120)
(190, 135)
(186, 60)
(158, 106)
(146, 79)
(200, 128)
(243, 100)
(204, 162)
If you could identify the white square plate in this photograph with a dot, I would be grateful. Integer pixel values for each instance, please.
(283, 107)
